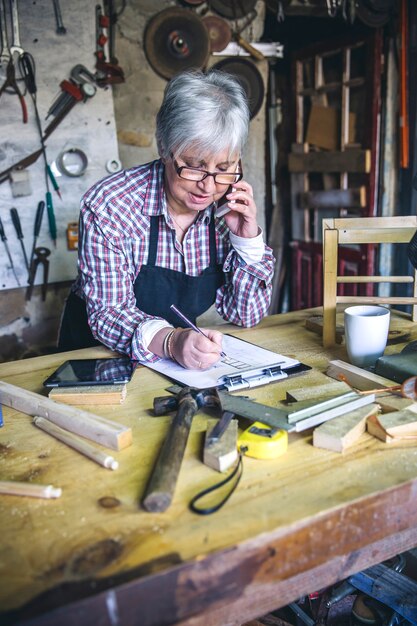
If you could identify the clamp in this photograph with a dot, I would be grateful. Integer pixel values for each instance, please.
(41, 257)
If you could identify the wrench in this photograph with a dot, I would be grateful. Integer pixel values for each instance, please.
(16, 46)
(4, 40)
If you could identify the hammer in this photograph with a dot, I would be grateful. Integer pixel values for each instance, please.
(161, 486)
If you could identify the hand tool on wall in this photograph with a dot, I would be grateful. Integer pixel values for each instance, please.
(4, 41)
(60, 28)
(40, 258)
(4, 240)
(16, 47)
(161, 486)
(18, 228)
(36, 231)
(108, 72)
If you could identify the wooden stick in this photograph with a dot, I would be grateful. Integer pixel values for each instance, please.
(356, 376)
(77, 444)
(105, 432)
(29, 489)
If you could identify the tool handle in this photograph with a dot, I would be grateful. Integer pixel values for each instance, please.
(38, 218)
(27, 67)
(256, 54)
(51, 216)
(2, 233)
(52, 178)
(160, 489)
(16, 222)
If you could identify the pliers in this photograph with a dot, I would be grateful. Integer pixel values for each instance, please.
(11, 83)
(41, 256)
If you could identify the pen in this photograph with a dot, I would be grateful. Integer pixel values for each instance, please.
(190, 324)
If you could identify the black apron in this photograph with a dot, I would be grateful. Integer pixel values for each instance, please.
(156, 288)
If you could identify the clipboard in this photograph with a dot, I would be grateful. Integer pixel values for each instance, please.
(246, 365)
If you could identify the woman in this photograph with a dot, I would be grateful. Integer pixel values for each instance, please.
(148, 236)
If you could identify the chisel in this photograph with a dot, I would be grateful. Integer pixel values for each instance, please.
(4, 240)
(18, 228)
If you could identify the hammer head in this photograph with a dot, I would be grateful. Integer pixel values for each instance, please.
(203, 397)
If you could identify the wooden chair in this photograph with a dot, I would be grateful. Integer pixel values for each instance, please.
(362, 230)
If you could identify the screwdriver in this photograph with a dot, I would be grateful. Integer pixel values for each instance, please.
(51, 216)
(18, 228)
(4, 240)
(36, 231)
(53, 181)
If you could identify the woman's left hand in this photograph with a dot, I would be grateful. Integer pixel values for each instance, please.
(241, 219)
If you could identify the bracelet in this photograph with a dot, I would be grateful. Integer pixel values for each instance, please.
(169, 345)
(164, 344)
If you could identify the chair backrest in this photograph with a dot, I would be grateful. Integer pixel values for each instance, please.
(361, 230)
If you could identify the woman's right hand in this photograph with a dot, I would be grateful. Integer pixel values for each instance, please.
(194, 350)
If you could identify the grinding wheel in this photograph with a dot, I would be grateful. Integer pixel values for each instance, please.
(232, 9)
(176, 40)
(249, 77)
(220, 33)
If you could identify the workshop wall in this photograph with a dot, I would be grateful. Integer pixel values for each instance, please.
(118, 122)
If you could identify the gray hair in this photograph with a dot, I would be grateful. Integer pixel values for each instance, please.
(208, 111)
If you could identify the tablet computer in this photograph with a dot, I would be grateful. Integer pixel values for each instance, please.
(84, 372)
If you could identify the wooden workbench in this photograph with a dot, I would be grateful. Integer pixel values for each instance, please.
(294, 525)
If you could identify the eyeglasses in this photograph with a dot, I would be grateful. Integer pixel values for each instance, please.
(197, 175)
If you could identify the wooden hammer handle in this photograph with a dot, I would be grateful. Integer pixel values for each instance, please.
(161, 486)
(256, 54)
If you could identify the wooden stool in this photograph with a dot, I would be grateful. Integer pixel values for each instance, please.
(362, 230)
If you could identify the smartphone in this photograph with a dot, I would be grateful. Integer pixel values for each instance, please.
(223, 206)
(84, 372)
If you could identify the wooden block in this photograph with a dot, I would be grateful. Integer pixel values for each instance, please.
(358, 161)
(103, 431)
(223, 453)
(331, 389)
(95, 395)
(333, 199)
(356, 376)
(391, 427)
(315, 323)
(342, 432)
(390, 402)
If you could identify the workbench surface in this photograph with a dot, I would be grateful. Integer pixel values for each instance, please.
(294, 525)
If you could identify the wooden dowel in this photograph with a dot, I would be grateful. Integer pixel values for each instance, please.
(375, 279)
(76, 443)
(12, 488)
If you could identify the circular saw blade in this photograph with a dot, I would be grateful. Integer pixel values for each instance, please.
(220, 33)
(175, 40)
(232, 9)
(249, 77)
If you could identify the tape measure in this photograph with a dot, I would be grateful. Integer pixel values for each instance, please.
(263, 442)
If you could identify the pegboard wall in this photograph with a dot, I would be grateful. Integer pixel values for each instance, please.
(88, 127)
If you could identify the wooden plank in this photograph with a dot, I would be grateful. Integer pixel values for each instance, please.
(331, 388)
(223, 453)
(343, 432)
(356, 376)
(94, 395)
(375, 279)
(330, 249)
(351, 161)
(374, 235)
(99, 429)
(403, 221)
(375, 300)
(391, 588)
(333, 199)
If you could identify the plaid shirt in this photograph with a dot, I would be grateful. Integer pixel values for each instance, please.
(114, 240)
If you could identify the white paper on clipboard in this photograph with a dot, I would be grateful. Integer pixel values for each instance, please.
(246, 364)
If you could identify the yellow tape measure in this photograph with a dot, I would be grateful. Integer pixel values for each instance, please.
(263, 442)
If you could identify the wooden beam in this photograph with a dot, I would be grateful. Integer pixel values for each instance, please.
(333, 199)
(103, 431)
(223, 453)
(350, 161)
(356, 376)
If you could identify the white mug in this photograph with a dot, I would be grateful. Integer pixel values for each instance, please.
(366, 333)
